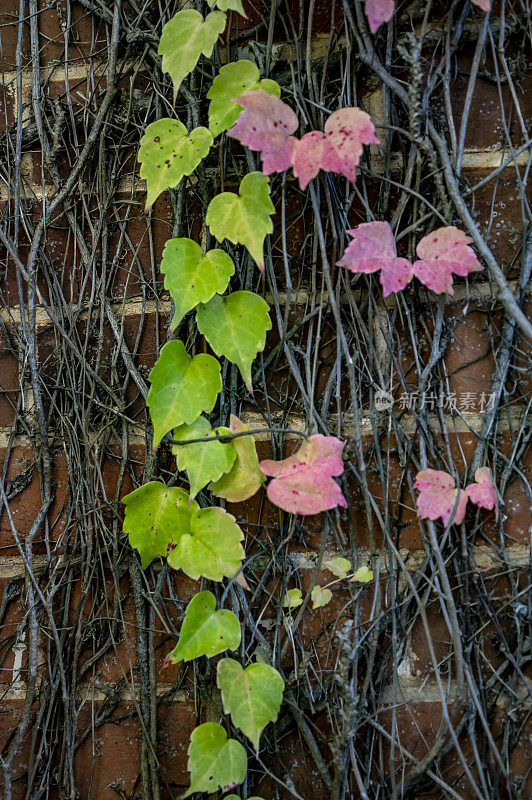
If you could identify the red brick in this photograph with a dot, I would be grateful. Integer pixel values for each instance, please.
(87, 35)
(10, 713)
(9, 380)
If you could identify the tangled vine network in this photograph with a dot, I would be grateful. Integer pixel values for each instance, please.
(412, 685)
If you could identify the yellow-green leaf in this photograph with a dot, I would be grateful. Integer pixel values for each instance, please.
(363, 575)
(292, 598)
(192, 277)
(228, 5)
(252, 696)
(168, 152)
(234, 80)
(184, 38)
(338, 566)
(214, 761)
(244, 478)
(205, 631)
(244, 218)
(181, 388)
(156, 517)
(205, 461)
(235, 327)
(320, 597)
(211, 548)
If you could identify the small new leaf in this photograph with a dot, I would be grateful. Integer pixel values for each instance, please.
(205, 631)
(363, 575)
(168, 152)
(303, 483)
(235, 327)
(184, 38)
(293, 598)
(205, 461)
(245, 478)
(244, 218)
(156, 517)
(437, 496)
(181, 388)
(320, 597)
(252, 696)
(211, 548)
(214, 761)
(338, 566)
(192, 277)
(233, 80)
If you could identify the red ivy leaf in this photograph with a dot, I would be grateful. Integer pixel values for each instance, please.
(379, 11)
(442, 252)
(485, 5)
(265, 124)
(437, 496)
(338, 149)
(373, 248)
(483, 492)
(303, 483)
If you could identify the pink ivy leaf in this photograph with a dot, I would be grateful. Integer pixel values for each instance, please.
(485, 5)
(303, 483)
(265, 124)
(442, 252)
(338, 149)
(379, 11)
(483, 492)
(437, 496)
(373, 248)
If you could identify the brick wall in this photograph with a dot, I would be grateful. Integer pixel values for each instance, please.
(379, 703)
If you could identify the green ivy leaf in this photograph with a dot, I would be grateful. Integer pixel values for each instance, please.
(228, 5)
(214, 761)
(235, 327)
(245, 478)
(205, 631)
(363, 575)
(192, 277)
(156, 516)
(236, 797)
(245, 217)
(184, 38)
(293, 598)
(203, 462)
(234, 80)
(168, 152)
(252, 696)
(320, 597)
(212, 549)
(338, 566)
(181, 388)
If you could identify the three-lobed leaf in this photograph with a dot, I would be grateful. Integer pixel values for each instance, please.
(303, 483)
(182, 388)
(373, 248)
(235, 327)
(156, 517)
(228, 5)
(192, 277)
(363, 575)
(244, 218)
(233, 80)
(211, 548)
(245, 478)
(483, 492)
(205, 631)
(438, 496)
(338, 566)
(440, 254)
(184, 38)
(168, 152)
(203, 461)
(266, 125)
(252, 696)
(214, 761)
